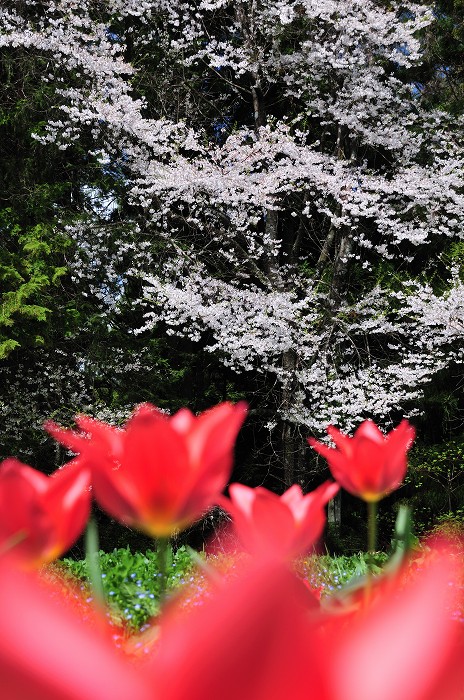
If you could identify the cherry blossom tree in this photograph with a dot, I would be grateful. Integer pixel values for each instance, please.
(289, 200)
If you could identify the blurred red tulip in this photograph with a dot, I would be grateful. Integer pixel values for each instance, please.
(41, 516)
(49, 652)
(369, 464)
(159, 473)
(406, 646)
(258, 639)
(269, 525)
(251, 641)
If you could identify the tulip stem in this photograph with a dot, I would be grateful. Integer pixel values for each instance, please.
(163, 553)
(92, 557)
(371, 541)
(371, 528)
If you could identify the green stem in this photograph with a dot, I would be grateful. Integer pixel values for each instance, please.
(371, 542)
(92, 557)
(372, 528)
(163, 551)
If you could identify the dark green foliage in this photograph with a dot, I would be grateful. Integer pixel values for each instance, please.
(436, 482)
(31, 268)
(444, 50)
(37, 192)
(451, 527)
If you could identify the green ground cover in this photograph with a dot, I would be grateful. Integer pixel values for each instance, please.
(132, 587)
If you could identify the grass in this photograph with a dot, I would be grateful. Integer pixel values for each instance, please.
(327, 574)
(131, 580)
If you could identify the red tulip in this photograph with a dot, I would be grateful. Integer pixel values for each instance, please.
(41, 516)
(257, 639)
(48, 652)
(278, 526)
(251, 641)
(369, 464)
(159, 473)
(407, 646)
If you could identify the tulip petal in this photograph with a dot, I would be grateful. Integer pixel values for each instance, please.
(242, 497)
(312, 520)
(210, 445)
(156, 461)
(273, 525)
(336, 459)
(280, 527)
(68, 503)
(406, 646)
(293, 497)
(214, 433)
(69, 438)
(397, 443)
(116, 495)
(343, 442)
(23, 516)
(183, 421)
(369, 431)
(158, 473)
(47, 653)
(366, 474)
(369, 464)
(104, 438)
(251, 641)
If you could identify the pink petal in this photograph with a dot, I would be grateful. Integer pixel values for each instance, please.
(213, 436)
(292, 497)
(368, 468)
(243, 498)
(273, 526)
(369, 431)
(183, 421)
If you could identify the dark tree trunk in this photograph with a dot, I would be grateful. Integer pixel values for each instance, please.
(334, 511)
